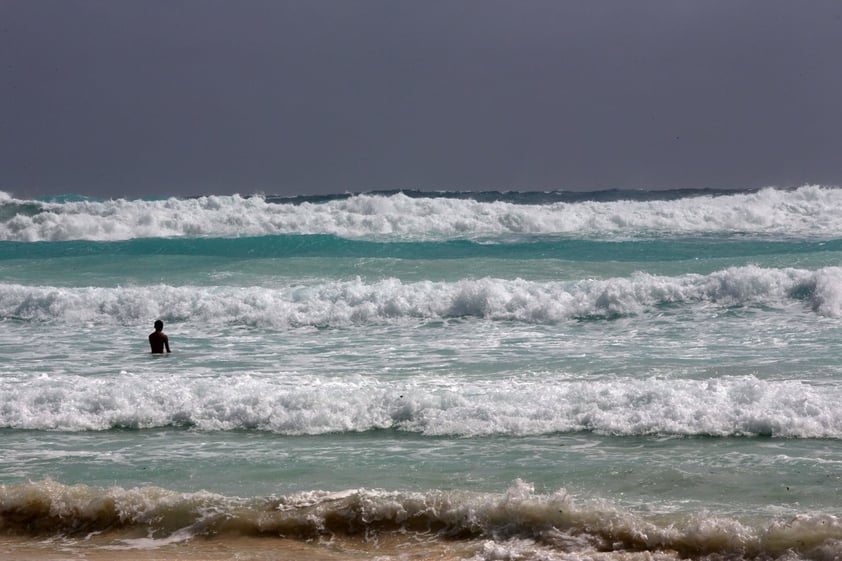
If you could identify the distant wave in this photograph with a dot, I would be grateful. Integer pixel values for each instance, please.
(507, 196)
(342, 303)
(516, 524)
(808, 212)
(292, 404)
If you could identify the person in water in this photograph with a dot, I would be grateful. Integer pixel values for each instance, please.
(159, 340)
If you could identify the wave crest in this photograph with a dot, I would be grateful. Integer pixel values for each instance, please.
(291, 404)
(809, 212)
(342, 303)
(516, 524)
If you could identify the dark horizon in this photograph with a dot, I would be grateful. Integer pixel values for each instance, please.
(288, 98)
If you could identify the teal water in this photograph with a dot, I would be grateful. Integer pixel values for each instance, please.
(668, 359)
(685, 474)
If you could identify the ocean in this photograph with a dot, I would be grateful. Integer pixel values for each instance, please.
(611, 375)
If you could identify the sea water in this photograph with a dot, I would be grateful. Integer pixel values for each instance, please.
(530, 375)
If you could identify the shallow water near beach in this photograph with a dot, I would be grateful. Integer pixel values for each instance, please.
(413, 375)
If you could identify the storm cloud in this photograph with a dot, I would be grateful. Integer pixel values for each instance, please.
(132, 98)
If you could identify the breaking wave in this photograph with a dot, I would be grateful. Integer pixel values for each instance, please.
(808, 212)
(516, 524)
(342, 303)
(286, 403)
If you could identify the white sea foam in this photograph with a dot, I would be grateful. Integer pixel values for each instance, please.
(305, 404)
(340, 303)
(810, 211)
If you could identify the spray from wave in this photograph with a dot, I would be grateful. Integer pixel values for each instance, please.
(292, 404)
(809, 212)
(342, 303)
(510, 524)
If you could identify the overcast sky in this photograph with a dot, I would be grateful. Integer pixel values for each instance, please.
(168, 97)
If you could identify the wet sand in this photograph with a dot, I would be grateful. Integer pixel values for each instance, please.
(239, 549)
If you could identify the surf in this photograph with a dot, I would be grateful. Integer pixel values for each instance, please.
(516, 522)
(358, 302)
(808, 212)
(550, 402)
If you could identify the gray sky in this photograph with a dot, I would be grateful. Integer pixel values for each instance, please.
(159, 97)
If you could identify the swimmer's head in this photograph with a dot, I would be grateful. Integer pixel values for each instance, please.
(159, 325)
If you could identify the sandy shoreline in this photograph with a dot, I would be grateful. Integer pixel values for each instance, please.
(239, 549)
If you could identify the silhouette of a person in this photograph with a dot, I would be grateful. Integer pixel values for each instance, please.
(158, 340)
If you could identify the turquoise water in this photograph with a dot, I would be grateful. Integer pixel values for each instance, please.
(665, 363)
